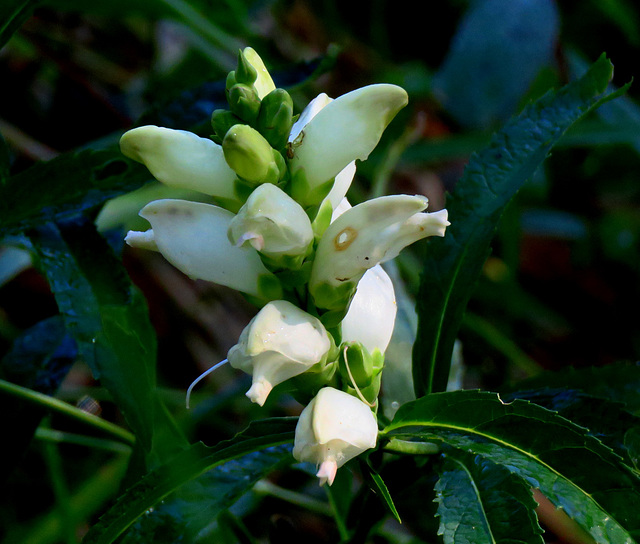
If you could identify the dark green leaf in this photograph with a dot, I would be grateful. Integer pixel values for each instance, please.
(632, 443)
(65, 186)
(108, 319)
(237, 464)
(490, 181)
(12, 14)
(381, 488)
(493, 60)
(482, 502)
(608, 421)
(573, 470)
(618, 382)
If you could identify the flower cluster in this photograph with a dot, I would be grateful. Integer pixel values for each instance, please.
(282, 232)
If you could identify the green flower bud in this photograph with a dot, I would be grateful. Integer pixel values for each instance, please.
(244, 102)
(276, 118)
(250, 155)
(245, 72)
(222, 121)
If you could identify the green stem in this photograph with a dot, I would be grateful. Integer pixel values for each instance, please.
(265, 487)
(51, 403)
(61, 492)
(340, 522)
(59, 437)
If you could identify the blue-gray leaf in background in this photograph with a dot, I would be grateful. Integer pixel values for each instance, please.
(499, 49)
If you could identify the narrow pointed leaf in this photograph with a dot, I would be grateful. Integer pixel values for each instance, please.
(489, 182)
(108, 319)
(481, 502)
(247, 447)
(13, 13)
(548, 451)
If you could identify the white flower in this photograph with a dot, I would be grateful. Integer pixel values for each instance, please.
(280, 342)
(334, 428)
(273, 223)
(368, 234)
(332, 134)
(193, 237)
(371, 316)
(181, 160)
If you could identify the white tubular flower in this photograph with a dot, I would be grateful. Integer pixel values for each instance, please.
(193, 237)
(334, 428)
(372, 312)
(273, 223)
(280, 342)
(181, 160)
(345, 129)
(368, 234)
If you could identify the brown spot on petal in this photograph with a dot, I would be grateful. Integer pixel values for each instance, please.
(345, 238)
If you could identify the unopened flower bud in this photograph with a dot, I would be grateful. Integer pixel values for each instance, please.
(221, 122)
(276, 118)
(334, 428)
(365, 235)
(245, 72)
(244, 102)
(280, 342)
(272, 223)
(250, 155)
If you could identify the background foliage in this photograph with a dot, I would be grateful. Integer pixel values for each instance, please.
(558, 291)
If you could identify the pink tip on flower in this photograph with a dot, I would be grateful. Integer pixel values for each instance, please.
(327, 472)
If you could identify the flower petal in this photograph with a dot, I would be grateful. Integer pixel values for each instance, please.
(193, 237)
(181, 159)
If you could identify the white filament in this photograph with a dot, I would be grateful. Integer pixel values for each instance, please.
(203, 375)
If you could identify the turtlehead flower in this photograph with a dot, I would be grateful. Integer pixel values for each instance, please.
(334, 428)
(280, 342)
(181, 160)
(272, 223)
(193, 237)
(372, 313)
(334, 133)
(367, 234)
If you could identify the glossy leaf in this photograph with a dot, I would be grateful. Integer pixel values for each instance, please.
(61, 188)
(482, 502)
(489, 182)
(548, 451)
(108, 319)
(237, 464)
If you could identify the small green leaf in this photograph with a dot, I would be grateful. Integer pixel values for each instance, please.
(258, 450)
(481, 502)
(491, 179)
(380, 487)
(548, 451)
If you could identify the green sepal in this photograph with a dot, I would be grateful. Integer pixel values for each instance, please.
(361, 370)
(304, 194)
(275, 118)
(322, 219)
(335, 298)
(269, 287)
(307, 385)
